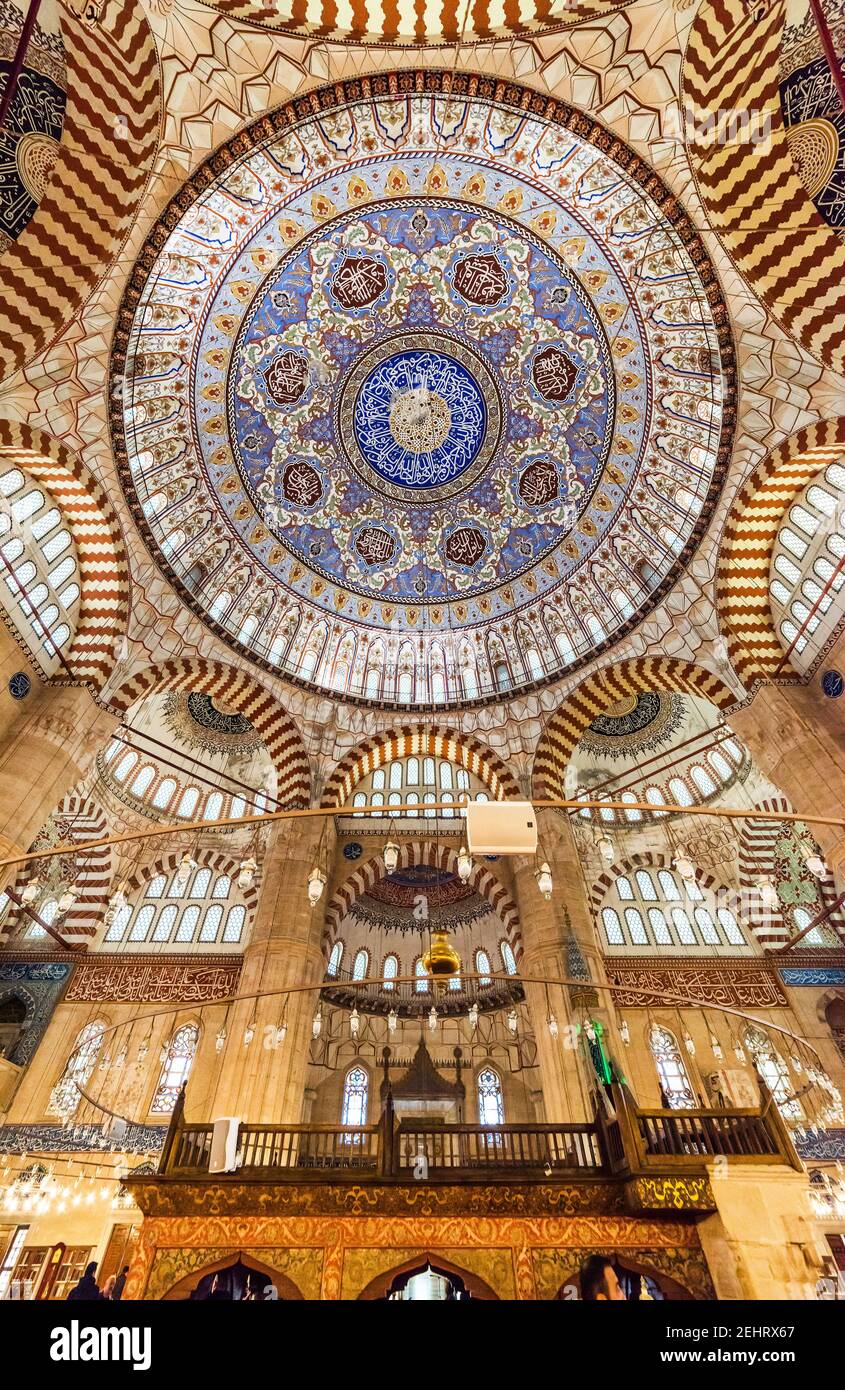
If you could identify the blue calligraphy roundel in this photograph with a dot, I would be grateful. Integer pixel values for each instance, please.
(419, 419)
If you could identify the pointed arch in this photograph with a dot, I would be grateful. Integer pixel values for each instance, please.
(251, 699)
(410, 741)
(602, 690)
(101, 171)
(794, 262)
(93, 524)
(76, 819)
(743, 601)
(441, 856)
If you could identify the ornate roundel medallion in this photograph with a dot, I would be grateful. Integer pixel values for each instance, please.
(419, 418)
(423, 395)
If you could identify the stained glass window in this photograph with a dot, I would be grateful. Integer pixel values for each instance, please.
(482, 966)
(674, 1081)
(65, 1096)
(773, 1069)
(334, 959)
(508, 959)
(355, 1096)
(175, 1068)
(491, 1110)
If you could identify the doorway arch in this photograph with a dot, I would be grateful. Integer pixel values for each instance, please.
(381, 1285)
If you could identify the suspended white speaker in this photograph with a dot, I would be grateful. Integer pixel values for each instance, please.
(501, 827)
(224, 1145)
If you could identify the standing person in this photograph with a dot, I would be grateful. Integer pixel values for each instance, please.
(120, 1283)
(599, 1282)
(87, 1286)
(108, 1287)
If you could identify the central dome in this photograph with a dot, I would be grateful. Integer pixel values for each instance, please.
(420, 390)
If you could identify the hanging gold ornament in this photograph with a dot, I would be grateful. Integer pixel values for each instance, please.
(441, 961)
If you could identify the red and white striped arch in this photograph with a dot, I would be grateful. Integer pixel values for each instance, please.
(91, 520)
(240, 691)
(413, 741)
(78, 819)
(426, 852)
(599, 692)
(205, 859)
(743, 601)
(623, 868)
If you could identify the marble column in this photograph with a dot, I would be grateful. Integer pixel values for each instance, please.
(43, 757)
(797, 738)
(263, 1082)
(14, 713)
(549, 930)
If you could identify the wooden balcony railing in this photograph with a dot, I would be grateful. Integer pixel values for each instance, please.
(431, 1150)
(623, 1141)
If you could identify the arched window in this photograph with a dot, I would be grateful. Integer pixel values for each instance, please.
(657, 922)
(234, 923)
(125, 766)
(164, 793)
(143, 780)
(646, 886)
(141, 924)
(675, 1085)
(680, 792)
(188, 802)
(482, 965)
(355, 1094)
(508, 959)
(175, 1068)
(199, 887)
(703, 780)
(211, 923)
(612, 926)
(634, 923)
(360, 964)
(491, 1110)
(334, 959)
(819, 936)
(165, 923)
(65, 1096)
(390, 971)
(773, 1070)
(706, 926)
(421, 980)
(681, 923)
(188, 923)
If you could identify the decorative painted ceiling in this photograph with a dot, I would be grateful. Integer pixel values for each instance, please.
(426, 396)
(413, 21)
(29, 141)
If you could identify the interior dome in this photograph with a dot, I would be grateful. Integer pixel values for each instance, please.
(424, 398)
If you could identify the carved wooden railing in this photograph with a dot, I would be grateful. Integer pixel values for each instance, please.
(532, 1150)
(679, 1140)
(277, 1150)
(623, 1141)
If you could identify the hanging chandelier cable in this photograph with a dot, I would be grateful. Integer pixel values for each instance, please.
(552, 803)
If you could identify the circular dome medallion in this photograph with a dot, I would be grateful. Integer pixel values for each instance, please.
(423, 396)
(419, 417)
